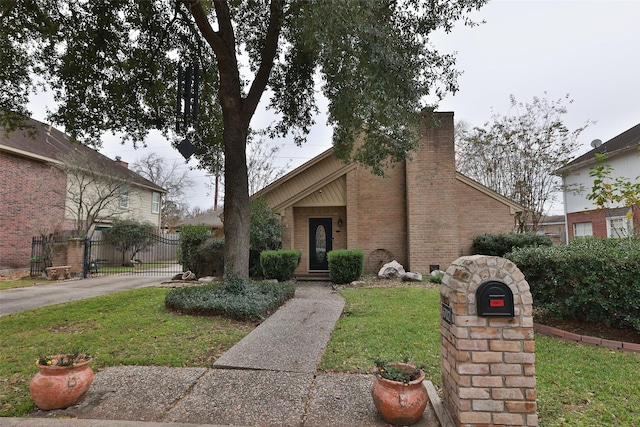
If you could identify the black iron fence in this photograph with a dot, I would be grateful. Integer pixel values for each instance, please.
(153, 254)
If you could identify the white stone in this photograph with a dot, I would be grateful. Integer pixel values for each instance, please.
(391, 270)
(412, 277)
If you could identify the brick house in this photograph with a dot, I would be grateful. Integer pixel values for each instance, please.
(35, 190)
(423, 214)
(583, 217)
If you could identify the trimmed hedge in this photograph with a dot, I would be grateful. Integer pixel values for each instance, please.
(500, 244)
(281, 264)
(594, 280)
(242, 301)
(345, 265)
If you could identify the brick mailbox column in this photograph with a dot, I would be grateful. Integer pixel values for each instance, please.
(488, 359)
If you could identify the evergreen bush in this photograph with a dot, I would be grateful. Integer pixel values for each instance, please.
(210, 257)
(594, 279)
(265, 233)
(345, 265)
(191, 237)
(500, 244)
(281, 264)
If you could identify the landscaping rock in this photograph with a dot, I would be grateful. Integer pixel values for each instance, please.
(412, 277)
(391, 270)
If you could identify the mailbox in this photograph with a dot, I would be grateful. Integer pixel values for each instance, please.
(494, 298)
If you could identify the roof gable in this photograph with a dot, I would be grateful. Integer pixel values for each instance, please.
(43, 142)
(303, 181)
(325, 170)
(626, 141)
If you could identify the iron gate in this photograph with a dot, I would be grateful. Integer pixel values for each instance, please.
(156, 255)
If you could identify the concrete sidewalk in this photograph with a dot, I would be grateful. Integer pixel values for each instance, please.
(267, 379)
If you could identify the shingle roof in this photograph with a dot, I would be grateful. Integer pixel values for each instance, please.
(44, 142)
(212, 219)
(627, 140)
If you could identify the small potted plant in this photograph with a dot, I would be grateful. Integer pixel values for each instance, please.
(398, 392)
(62, 380)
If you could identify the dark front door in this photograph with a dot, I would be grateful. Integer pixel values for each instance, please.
(319, 243)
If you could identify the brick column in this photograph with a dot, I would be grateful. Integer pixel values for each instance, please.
(488, 363)
(75, 255)
(432, 208)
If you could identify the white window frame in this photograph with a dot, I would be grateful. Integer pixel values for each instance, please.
(155, 202)
(124, 198)
(580, 229)
(619, 226)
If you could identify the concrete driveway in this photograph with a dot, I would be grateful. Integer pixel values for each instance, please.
(19, 299)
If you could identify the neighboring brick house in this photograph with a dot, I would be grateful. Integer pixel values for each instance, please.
(34, 191)
(424, 214)
(583, 218)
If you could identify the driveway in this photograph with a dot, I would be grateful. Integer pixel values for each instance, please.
(19, 299)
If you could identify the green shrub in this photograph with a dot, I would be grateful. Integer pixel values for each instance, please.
(345, 265)
(280, 264)
(594, 280)
(500, 244)
(209, 256)
(243, 301)
(265, 233)
(191, 237)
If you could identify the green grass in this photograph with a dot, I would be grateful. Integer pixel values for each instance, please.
(586, 386)
(22, 283)
(577, 385)
(389, 324)
(130, 328)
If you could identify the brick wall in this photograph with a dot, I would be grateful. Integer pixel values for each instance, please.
(488, 363)
(31, 201)
(478, 214)
(381, 218)
(432, 214)
(598, 220)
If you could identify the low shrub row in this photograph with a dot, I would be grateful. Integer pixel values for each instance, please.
(345, 265)
(500, 244)
(595, 280)
(237, 299)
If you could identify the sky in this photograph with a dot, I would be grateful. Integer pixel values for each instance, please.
(586, 49)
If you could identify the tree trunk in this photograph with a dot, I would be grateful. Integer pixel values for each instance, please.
(236, 201)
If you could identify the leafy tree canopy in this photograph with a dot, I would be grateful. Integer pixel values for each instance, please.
(517, 155)
(112, 66)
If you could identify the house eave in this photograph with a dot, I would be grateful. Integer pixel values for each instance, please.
(592, 161)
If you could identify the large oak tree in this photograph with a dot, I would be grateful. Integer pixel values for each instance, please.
(113, 65)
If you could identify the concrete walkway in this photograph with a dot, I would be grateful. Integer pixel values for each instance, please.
(268, 379)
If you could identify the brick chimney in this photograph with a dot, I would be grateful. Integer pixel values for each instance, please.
(121, 162)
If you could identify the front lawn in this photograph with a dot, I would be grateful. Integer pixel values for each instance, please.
(129, 328)
(577, 385)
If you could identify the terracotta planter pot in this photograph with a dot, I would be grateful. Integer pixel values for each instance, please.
(58, 387)
(398, 403)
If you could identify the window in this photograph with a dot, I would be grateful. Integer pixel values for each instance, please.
(619, 226)
(582, 229)
(124, 197)
(155, 203)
